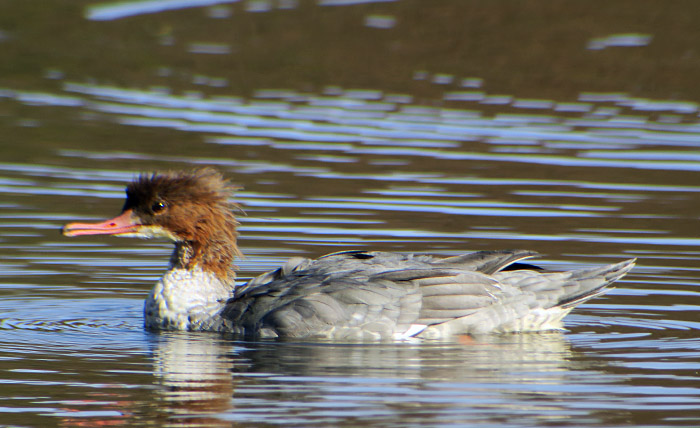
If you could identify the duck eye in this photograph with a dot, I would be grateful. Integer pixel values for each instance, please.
(158, 207)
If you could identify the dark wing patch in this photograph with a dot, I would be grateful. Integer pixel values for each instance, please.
(488, 262)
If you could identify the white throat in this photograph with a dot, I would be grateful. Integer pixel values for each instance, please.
(186, 300)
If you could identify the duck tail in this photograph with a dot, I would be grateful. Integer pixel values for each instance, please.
(595, 282)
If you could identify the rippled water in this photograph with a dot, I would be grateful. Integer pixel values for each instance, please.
(362, 125)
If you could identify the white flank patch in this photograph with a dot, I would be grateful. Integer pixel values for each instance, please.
(413, 330)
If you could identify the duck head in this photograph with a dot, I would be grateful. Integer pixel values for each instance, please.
(190, 208)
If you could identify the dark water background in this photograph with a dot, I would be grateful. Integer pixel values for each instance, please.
(569, 128)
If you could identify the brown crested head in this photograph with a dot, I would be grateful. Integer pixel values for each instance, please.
(191, 208)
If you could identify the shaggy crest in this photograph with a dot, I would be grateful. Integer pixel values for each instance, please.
(194, 208)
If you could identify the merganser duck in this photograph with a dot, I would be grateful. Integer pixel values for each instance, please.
(351, 295)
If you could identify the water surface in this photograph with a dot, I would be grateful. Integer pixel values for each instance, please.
(388, 125)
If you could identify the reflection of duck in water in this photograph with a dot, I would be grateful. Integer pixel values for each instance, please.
(206, 380)
(347, 295)
(193, 378)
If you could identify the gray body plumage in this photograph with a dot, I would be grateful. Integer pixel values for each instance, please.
(377, 295)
